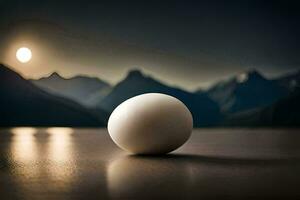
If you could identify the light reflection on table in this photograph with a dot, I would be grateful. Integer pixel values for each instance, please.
(60, 152)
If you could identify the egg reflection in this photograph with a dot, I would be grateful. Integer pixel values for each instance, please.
(133, 176)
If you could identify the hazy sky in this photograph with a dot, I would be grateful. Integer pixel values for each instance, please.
(186, 43)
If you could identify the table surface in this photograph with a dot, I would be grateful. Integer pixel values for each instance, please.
(65, 163)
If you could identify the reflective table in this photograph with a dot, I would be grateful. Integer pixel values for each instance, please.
(66, 163)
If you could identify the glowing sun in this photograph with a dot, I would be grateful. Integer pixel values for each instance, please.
(24, 55)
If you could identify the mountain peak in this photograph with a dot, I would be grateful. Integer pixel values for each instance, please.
(135, 73)
(55, 75)
(252, 74)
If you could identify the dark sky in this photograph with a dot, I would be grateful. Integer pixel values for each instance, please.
(243, 34)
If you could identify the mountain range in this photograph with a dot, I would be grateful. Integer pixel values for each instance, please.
(249, 90)
(247, 99)
(283, 113)
(23, 104)
(137, 83)
(251, 100)
(85, 90)
(290, 82)
(97, 94)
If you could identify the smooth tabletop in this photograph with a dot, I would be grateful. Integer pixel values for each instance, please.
(65, 163)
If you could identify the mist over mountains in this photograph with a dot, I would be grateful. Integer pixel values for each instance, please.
(247, 99)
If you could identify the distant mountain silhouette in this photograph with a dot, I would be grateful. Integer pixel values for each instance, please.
(23, 104)
(290, 81)
(285, 112)
(205, 111)
(246, 91)
(85, 90)
(248, 99)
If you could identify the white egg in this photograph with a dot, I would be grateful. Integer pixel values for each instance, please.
(150, 123)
